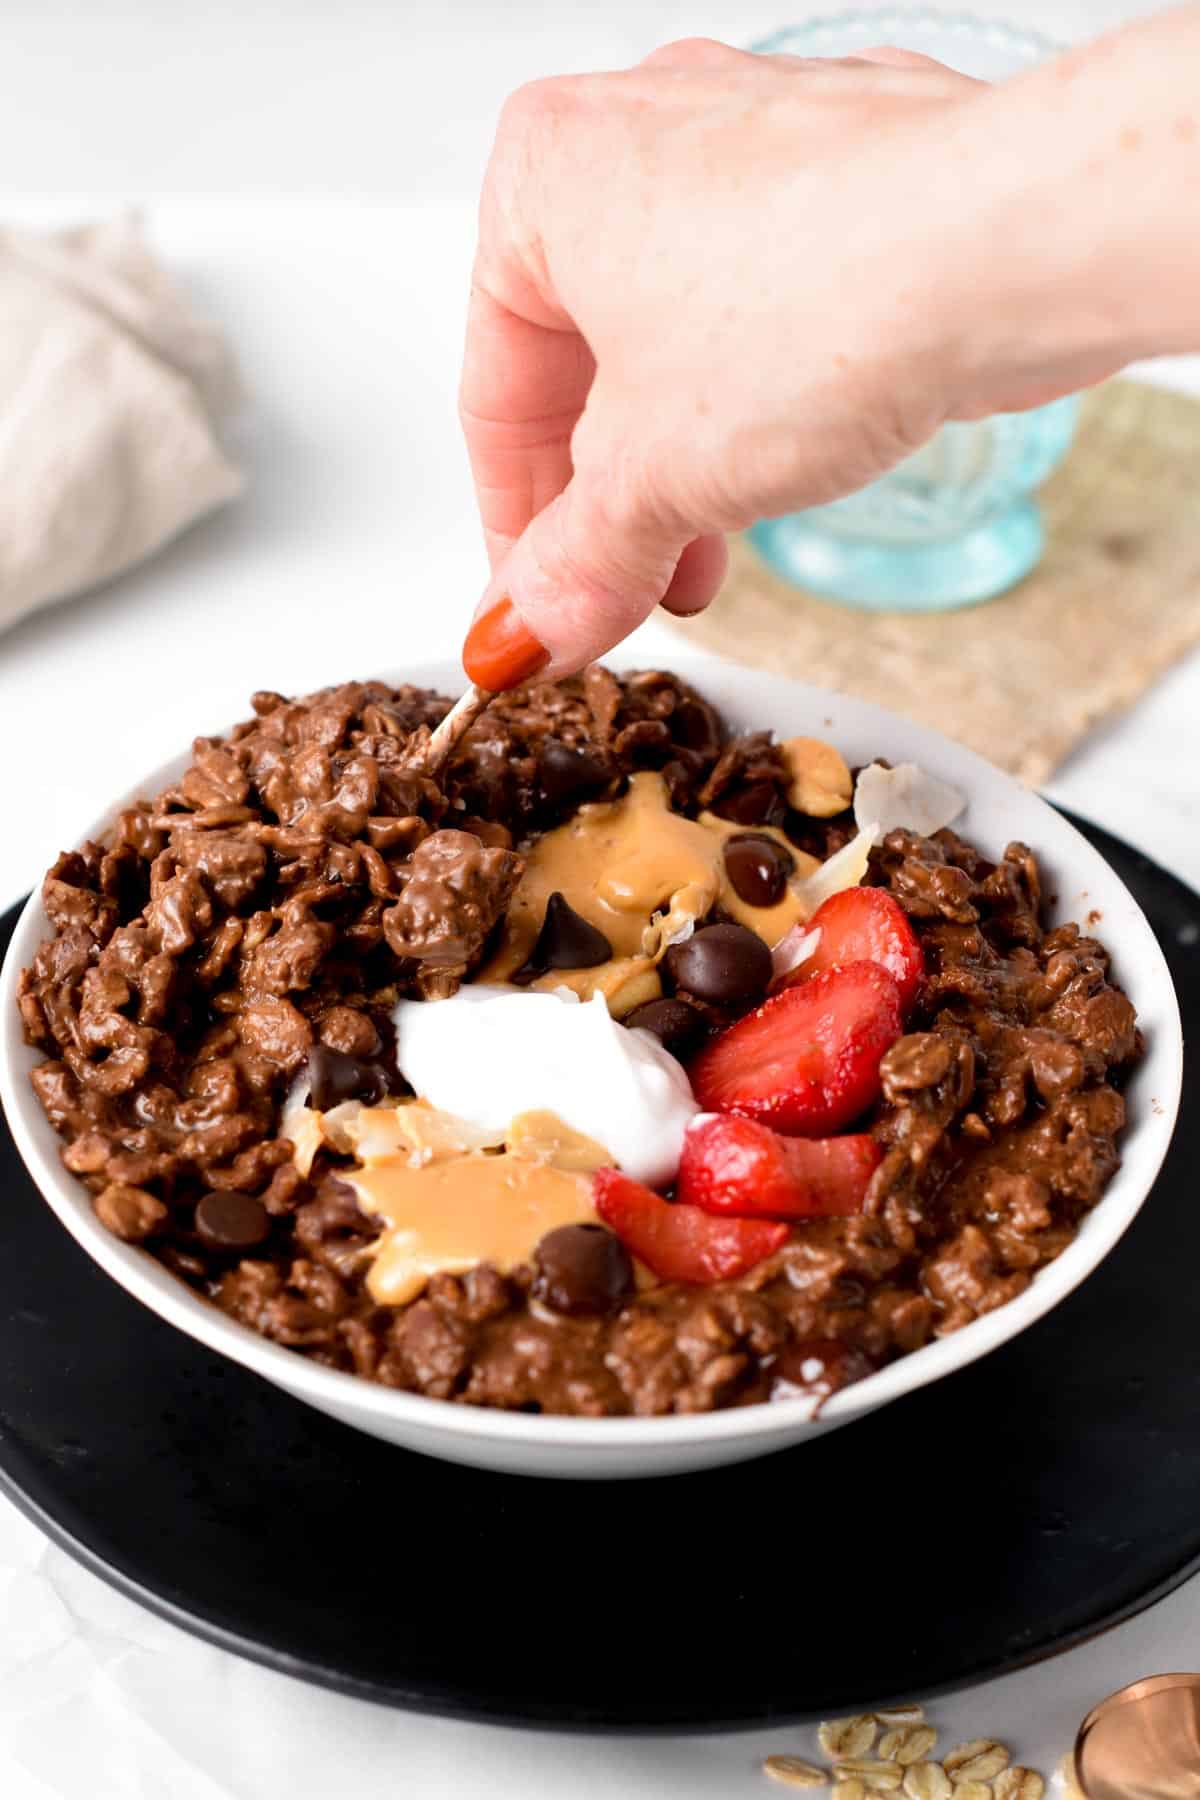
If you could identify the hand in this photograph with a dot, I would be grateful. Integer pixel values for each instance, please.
(718, 287)
(694, 304)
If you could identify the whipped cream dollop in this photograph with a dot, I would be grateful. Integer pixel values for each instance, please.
(491, 1052)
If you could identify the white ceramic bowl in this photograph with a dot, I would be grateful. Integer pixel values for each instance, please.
(999, 810)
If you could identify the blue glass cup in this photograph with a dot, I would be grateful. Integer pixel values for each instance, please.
(957, 522)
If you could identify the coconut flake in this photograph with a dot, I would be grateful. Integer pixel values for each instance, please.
(844, 869)
(415, 1132)
(296, 1098)
(308, 1129)
(794, 947)
(303, 1131)
(677, 922)
(336, 1124)
(905, 799)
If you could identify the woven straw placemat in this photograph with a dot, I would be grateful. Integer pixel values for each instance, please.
(1113, 603)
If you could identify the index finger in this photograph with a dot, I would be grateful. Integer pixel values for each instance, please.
(523, 388)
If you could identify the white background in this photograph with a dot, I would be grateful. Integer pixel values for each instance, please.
(312, 171)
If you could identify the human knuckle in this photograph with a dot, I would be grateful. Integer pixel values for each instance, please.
(694, 49)
(526, 106)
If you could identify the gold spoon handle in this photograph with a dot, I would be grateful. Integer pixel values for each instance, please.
(1142, 1743)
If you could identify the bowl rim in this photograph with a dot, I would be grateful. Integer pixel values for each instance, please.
(339, 1392)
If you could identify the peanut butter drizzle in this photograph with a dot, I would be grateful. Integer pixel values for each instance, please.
(625, 982)
(447, 1208)
(617, 862)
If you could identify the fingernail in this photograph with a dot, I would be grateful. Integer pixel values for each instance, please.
(501, 652)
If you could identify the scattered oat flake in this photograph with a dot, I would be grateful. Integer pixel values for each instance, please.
(840, 1738)
(954, 1760)
(793, 1771)
(1018, 1784)
(989, 1763)
(891, 1750)
(905, 799)
(880, 1777)
(907, 1744)
(927, 1781)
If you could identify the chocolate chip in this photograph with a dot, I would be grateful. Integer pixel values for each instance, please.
(754, 803)
(582, 1269)
(679, 784)
(333, 1077)
(229, 1221)
(677, 1026)
(566, 941)
(565, 773)
(721, 964)
(758, 868)
(815, 1368)
(695, 725)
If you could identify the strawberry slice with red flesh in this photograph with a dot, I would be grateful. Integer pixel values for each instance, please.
(864, 925)
(678, 1242)
(807, 1060)
(732, 1165)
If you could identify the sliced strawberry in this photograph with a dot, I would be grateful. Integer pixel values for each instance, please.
(864, 925)
(732, 1165)
(681, 1243)
(807, 1060)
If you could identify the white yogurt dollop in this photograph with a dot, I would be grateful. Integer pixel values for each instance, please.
(492, 1052)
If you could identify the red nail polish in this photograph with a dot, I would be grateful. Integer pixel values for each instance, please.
(501, 652)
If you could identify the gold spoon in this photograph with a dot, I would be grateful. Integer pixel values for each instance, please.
(1143, 1743)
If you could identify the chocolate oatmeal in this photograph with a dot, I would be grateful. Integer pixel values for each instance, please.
(233, 969)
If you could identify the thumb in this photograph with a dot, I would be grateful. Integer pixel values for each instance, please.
(580, 578)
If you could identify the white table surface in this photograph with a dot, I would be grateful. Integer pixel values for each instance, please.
(312, 172)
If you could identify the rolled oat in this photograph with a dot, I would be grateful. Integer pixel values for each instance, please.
(907, 1744)
(1018, 1784)
(987, 1760)
(880, 1777)
(844, 1738)
(793, 1771)
(927, 1781)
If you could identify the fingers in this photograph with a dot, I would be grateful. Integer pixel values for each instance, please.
(523, 388)
(693, 53)
(890, 56)
(698, 576)
(899, 59)
(579, 580)
(927, 69)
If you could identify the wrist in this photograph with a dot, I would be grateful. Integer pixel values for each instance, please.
(1075, 257)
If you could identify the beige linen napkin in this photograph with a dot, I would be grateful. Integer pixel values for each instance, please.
(112, 390)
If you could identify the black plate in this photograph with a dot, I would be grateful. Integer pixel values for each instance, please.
(997, 1517)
